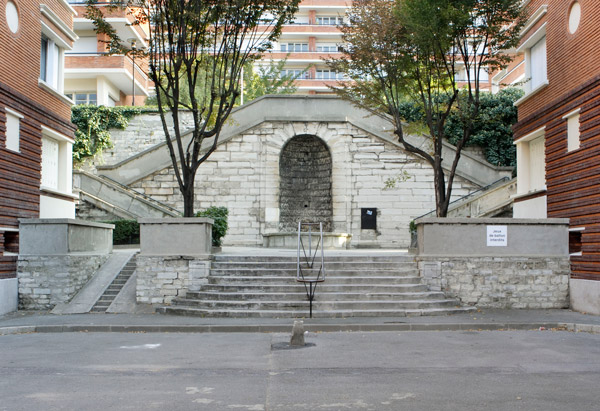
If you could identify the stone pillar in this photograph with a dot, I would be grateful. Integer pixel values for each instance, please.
(175, 255)
(57, 257)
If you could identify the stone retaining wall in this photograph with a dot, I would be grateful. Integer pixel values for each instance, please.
(497, 262)
(47, 280)
(500, 282)
(162, 278)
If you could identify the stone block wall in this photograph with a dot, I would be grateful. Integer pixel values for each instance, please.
(161, 278)
(500, 282)
(47, 280)
(243, 174)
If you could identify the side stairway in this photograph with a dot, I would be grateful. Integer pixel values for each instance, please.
(355, 286)
(118, 199)
(115, 287)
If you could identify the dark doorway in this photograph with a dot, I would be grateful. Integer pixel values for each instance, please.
(305, 183)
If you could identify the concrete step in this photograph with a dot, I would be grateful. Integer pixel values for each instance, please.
(268, 280)
(319, 296)
(189, 311)
(219, 258)
(115, 287)
(296, 287)
(318, 304)
(292, 272)
(291, 265)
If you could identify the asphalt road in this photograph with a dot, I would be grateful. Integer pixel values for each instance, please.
(491, 370)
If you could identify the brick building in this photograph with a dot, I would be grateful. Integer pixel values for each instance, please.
(558, 135)
(94, 77)
(36, 134)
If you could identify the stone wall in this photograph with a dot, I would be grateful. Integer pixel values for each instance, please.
(47, 280)
(497, 262)
(162, 278)
(243, 175)
(143, 132)
(500, 282)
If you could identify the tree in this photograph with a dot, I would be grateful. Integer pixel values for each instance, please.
(492, 130)
(196, 53)
(269, 79)
(413, 50)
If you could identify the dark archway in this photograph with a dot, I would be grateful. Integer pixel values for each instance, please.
(305, 183)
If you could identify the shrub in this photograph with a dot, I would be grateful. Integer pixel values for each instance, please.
(125, 232)
(219, 228)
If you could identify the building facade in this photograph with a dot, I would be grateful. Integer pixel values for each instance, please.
(557, 135)
(36, 134)
(94, 77)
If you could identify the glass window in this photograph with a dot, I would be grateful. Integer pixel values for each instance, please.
(50, 59)
(50, 163)
(538, 63)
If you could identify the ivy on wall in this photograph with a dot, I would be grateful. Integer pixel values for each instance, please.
(493, 127)
(93, 125)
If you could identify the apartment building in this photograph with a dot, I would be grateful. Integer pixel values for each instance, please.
(312, 37)
(94, 77)
(36, 134)
(557, 135)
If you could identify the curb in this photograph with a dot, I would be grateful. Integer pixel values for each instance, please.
(574, 327)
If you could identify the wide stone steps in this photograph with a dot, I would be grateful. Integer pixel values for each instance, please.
(318, 305)
(322, 287)
(268, 280)
(307, 272)
(115, 287)
(357, 286)
(245, 313)
(300, 295)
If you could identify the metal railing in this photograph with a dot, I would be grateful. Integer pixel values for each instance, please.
(472, 194)
(309, 261)
(143, 195)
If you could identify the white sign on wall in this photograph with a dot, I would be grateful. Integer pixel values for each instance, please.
(497, 236)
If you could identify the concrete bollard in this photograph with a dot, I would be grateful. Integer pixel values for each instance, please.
(297, 334)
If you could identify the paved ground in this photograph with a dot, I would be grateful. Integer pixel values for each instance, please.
(486, 319)
(463, 370)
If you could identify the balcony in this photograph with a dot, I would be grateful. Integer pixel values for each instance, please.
(115, 68)
(120, 19)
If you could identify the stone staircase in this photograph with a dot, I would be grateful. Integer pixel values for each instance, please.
(355, 286)
(115, 287)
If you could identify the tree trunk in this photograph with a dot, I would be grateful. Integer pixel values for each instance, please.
(188, 199)
(441, 205)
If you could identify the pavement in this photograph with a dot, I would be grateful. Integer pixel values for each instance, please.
(144, 321)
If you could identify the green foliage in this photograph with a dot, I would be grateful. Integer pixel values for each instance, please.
(491, 129)
(125, 232)
(93, 124)
(268, 80)
(219, 228)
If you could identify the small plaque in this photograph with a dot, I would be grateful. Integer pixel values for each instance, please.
(368, 219)
(497, 236)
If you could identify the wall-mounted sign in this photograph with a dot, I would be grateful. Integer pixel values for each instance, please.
(497, 236)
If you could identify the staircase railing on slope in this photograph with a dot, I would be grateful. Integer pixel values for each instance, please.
(470, 195)
(143, 195)
(309, 260)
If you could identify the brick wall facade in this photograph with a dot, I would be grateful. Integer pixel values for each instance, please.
(20, 172)
(573, 66)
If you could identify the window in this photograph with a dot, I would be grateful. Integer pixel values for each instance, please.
(50, 163)
(57, 152)
(531, 162)
(329, 75)
(573, 141)
(329, 21)
(462, 75)
(296, 73)
(537, 65)
(294, 47)
(328, 48)
(13, 124)
(50, 63)
(83, 98)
